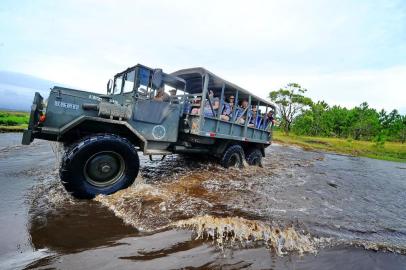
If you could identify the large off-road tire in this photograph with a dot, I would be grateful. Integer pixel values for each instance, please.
(101, 164)
(254, 157)
(233, 156)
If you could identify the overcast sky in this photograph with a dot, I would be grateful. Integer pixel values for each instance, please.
(343, 52)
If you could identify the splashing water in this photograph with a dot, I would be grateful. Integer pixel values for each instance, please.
(191, 199)
(138, 206)
(180, 196)
(225, 230)
(58, 150)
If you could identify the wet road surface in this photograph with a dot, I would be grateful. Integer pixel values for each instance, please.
(303, 210)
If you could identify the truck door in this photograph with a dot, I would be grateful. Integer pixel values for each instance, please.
(157, 120)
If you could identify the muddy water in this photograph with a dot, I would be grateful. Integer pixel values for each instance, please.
(303, 210)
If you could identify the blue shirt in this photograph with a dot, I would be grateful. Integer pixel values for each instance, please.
(227, 109)
(207, 108)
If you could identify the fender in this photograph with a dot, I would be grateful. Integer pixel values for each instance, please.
(81, 119)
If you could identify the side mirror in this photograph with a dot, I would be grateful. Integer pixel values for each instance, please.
(157, 78)
(109, 86)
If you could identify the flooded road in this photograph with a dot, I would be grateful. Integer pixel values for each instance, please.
(302, 210)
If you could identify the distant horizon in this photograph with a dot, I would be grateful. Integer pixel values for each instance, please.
(50, 82)
(12, 110)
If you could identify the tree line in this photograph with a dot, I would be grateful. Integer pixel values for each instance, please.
(303, 116)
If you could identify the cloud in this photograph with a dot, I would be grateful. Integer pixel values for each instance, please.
(383, 88)
(330, 47)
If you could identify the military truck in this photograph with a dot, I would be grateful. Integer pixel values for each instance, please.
(103, 133)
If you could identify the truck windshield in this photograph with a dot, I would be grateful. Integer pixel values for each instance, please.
(129, 81)
(117, 85)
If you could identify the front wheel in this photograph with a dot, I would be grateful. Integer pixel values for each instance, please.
(101, 164)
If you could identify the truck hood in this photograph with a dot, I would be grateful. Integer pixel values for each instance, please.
(77, 93)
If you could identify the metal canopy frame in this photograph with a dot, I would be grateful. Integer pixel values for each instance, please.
(193, 77)
(198, 83)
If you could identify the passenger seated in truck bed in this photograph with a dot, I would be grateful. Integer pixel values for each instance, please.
(254, 118)
(268, 121)
(227, 110)
(241, 112)
(207, 109)
(194, 105)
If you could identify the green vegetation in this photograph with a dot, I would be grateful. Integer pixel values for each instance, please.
(394, 151)
(291, 103)
(359, 123)
(357, 131)
(301, 115)
(13, 121)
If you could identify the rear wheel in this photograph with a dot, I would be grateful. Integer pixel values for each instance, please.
(254, 157)
(101, 164)
(233, 157)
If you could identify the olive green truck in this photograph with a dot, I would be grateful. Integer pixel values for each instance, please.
(103, 133)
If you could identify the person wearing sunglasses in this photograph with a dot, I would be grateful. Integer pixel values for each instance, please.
(227, 110)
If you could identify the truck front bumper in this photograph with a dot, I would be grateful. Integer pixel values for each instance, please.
(36, 109)
(27, 137)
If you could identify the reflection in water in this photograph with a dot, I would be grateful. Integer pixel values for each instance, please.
(78, 227)
(60, 223)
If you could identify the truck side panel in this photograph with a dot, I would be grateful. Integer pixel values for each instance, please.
(227, 130)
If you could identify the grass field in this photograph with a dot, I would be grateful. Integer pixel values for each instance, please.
(11, 121)
(388, 151)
